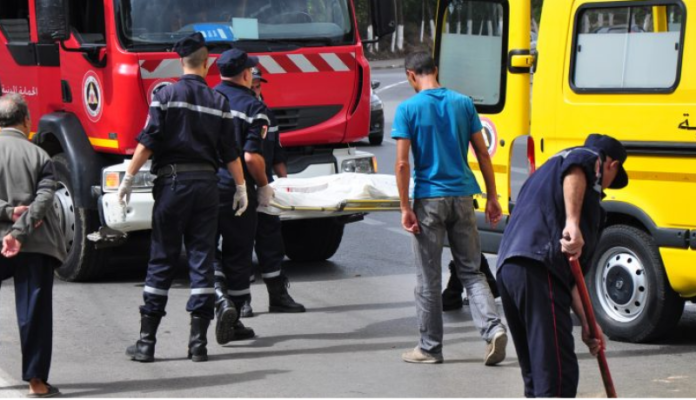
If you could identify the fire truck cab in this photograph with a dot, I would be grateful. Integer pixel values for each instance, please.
(88, 69)
(617, 67)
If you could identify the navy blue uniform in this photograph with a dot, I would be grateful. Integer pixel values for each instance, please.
(189, 131)
(269, 246)
(534, 275)
(251, 124)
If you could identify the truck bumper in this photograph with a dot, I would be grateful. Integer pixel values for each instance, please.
(680, 266)
(136, 217)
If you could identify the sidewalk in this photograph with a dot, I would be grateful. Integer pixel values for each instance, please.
(387, 64)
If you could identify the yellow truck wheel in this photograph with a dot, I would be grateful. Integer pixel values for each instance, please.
(630, 292)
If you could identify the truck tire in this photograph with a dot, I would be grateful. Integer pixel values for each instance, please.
(375, 140)
(631, 295)
(84, 262)
(312, 239)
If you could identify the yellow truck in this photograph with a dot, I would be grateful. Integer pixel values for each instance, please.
(623, 68)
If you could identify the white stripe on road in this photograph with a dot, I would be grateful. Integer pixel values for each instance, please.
(400, 231)
(393, 85)
(372, 222)
(302, 63)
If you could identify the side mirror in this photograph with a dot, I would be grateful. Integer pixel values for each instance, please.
(375, 84)
(52, 20)
(383, 17)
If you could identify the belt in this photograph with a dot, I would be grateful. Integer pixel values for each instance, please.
(174, 169)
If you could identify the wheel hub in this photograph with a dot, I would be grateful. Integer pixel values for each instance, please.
(622, 284)
(63, 204)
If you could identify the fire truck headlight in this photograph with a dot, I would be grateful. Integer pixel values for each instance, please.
(360, 165)
(143, 181)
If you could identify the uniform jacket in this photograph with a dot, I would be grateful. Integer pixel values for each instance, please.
(27, 179)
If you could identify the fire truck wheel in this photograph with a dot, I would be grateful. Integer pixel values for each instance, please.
(312, 239)
(631, 295)
(84, 262)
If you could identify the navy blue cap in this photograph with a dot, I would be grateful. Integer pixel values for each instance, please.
(257, 74)
(189, 45)
(233, 62)
(614, 149)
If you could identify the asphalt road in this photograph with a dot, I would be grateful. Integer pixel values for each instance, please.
(360, 317)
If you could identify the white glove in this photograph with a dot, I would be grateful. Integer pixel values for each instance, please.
(266, 194)
(125, 189)
(241, 200)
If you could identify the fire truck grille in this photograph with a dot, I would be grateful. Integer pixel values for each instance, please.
(292, 119)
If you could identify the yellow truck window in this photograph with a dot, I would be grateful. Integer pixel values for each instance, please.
(634, 48)
(471, 52)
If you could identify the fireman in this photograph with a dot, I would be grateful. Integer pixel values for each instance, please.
(187, 133)
(233, 264)
(268, 245)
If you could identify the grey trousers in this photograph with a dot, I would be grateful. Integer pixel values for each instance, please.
(454, 217)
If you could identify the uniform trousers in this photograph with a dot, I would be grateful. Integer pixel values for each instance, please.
(537, 308)
(33, 283)
(233, 263)
(186, 209)
(269, 246)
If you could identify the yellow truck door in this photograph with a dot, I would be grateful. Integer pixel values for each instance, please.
(482, 48)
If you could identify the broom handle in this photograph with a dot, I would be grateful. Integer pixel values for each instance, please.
(592, 322)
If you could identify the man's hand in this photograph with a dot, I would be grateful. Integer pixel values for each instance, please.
(409, 221)
(594, 344)
(10, 246)
(572, 241)
(125, 189)
(266, 194)
(493, 211)
(18, 211)
(241, 200)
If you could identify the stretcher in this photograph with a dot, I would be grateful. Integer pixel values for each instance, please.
(295, 198)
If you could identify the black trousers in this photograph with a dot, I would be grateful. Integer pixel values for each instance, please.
(233, 264)
(269, 247)
(185, 210)
(33, 282)
(537, 308)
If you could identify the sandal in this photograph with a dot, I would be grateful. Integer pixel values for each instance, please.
(52, 391)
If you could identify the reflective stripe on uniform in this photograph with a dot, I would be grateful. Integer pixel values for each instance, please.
(248, 119)
(271, 275)
(220, 273)
(155, 291)
(192, 107)
(239, 292)
(201, 291)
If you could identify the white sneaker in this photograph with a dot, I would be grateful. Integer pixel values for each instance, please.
(418, 356)
(495, 349)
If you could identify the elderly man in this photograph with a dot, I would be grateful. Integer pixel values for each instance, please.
(32, 244)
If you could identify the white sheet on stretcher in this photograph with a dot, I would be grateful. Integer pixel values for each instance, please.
(329, 192)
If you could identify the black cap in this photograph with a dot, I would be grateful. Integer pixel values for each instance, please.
(614, 149)
(189, 45)
(257, 74)
(233, 62)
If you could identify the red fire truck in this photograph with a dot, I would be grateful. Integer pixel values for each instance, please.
(89, 68)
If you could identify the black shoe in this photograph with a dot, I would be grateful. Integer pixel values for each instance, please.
(144, 349)
(241, 332)
(452, 295)
(279, 299)
(198, 340)
(225, 315)
(246, 311)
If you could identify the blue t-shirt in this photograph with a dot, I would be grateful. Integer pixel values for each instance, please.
(439, 123)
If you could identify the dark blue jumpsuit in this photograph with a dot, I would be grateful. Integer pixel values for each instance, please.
(269, 246)
(233, 265)
(534, 275)
(189, 131)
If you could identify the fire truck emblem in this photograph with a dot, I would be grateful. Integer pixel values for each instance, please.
(92, 96)
(490, 135)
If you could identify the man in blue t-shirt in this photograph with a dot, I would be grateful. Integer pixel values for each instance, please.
(439, 125)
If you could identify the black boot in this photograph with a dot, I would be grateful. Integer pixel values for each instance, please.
(199, 339)
(241, 332)
(279, 299)
(225, 315)
(144, 348)
(452, 295)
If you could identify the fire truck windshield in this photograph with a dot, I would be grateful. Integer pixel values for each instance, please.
(159, 23)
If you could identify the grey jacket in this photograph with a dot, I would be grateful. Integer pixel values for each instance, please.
(27, 179)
